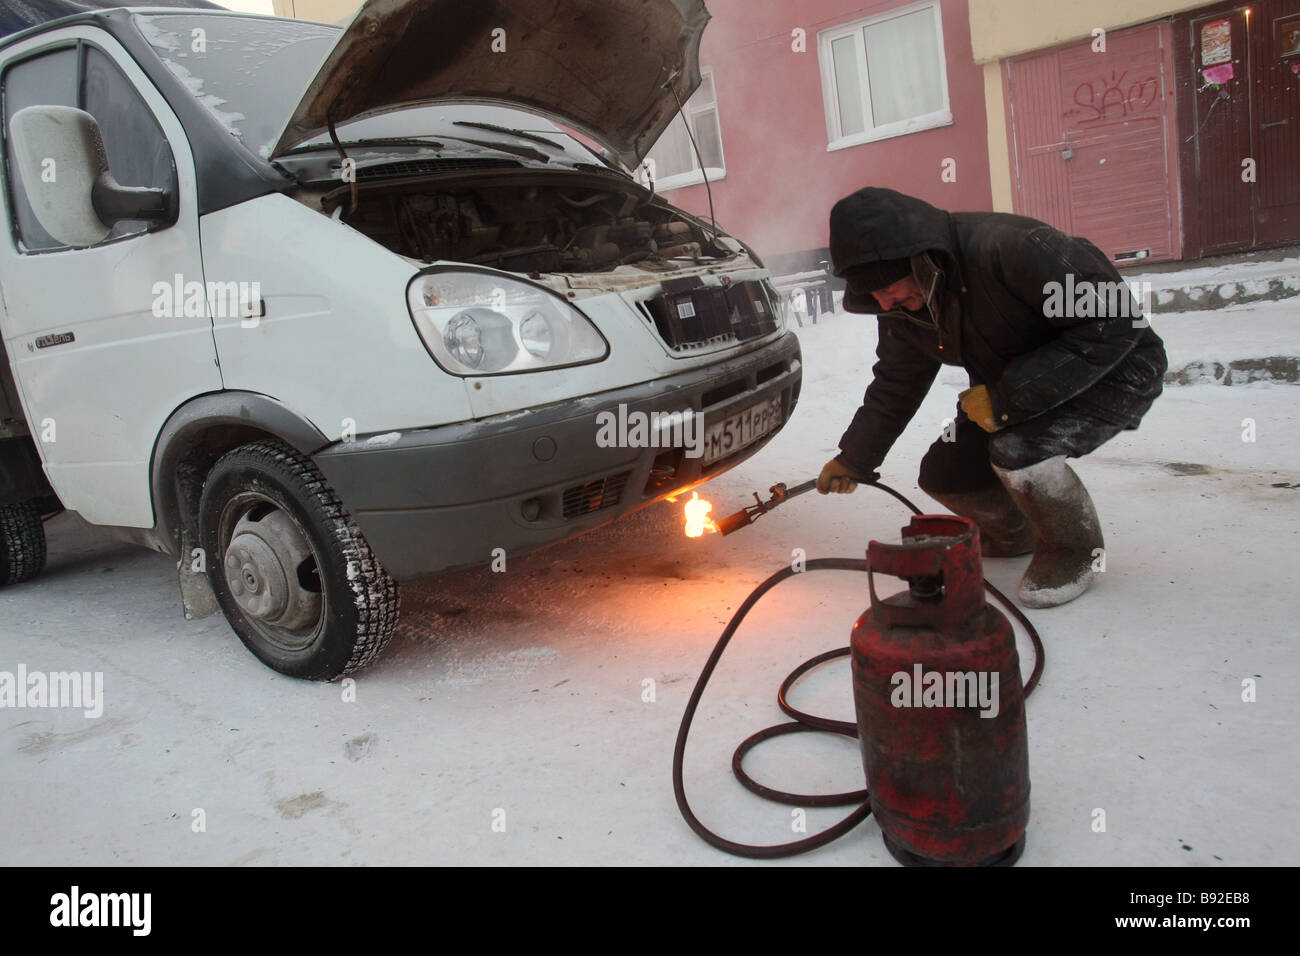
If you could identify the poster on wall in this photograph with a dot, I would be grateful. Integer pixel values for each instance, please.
(1216, 43)
(1288, 32)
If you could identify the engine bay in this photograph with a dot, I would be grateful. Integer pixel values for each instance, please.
(529, 223)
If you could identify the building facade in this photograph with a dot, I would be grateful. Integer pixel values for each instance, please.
(816, 99)
(321, 11)
(1161, 130)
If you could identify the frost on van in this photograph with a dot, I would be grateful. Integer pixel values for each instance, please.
(268, 44)
(251, 67)
(211, 101)
(158, 38)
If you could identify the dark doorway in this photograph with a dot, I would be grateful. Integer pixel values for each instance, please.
(1239, 76)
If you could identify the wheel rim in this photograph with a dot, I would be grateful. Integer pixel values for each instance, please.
(272, 571)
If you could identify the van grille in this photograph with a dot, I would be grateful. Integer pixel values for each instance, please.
(594, 495)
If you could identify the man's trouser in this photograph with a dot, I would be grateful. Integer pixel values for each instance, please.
(965, 463)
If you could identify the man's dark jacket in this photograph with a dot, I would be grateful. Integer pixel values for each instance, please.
(984, 276)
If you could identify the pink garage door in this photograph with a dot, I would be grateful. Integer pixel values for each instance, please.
(1093, 143)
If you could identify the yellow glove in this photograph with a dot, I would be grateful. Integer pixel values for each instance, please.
(836, 479)
(977, 404)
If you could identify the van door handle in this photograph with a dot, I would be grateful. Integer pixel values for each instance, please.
(1271, 125)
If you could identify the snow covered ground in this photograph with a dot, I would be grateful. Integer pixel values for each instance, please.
(1257, 330)
(520, 698)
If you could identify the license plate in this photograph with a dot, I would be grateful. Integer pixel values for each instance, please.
(740, 430)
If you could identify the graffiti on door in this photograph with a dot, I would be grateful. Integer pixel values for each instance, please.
(1112, 99)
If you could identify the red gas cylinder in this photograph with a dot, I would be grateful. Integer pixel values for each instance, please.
(941, 709)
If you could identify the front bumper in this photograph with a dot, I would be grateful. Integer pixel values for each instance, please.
(435, 499)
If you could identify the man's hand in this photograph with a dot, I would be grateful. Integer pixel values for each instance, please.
(835, 478)
(975, 402)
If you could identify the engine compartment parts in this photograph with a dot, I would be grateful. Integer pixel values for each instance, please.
(691, 314)
(525, 222)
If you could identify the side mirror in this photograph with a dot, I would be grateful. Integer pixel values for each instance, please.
(60, 156)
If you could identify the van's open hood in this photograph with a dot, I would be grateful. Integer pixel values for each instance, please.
(600, 66)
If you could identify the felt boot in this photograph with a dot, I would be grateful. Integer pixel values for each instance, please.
(1005, 532)
(1069, 533)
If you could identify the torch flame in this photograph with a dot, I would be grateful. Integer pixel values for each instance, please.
(697, 517)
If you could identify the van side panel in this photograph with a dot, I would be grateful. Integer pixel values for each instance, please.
(100, 370)
(337, 343)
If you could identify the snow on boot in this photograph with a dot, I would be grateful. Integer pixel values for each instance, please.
(1005, 532)
(1056, 502)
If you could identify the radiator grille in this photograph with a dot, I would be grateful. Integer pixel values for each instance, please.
(594, 495)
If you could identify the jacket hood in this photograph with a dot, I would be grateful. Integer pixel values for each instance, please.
(613, 69)
(874, 224)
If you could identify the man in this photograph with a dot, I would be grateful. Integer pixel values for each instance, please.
(1059, 360)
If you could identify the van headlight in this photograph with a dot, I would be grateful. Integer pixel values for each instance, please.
(481, 323)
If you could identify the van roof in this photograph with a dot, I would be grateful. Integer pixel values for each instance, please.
(227, 172)
(19, 18)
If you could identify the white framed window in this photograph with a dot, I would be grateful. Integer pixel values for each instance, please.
(672, 162)
(884, 76)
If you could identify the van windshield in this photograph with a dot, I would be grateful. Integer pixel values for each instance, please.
(250, 72)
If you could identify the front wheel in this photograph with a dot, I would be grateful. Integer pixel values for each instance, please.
(290, 568)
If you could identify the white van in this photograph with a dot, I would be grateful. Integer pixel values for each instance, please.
(314, 344)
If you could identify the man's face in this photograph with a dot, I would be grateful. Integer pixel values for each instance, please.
(904, 293)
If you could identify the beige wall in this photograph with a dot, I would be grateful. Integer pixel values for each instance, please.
(322, 11)
(1002, 28)
(999, 151)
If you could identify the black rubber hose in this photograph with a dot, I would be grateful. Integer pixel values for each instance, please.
(802, 723)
